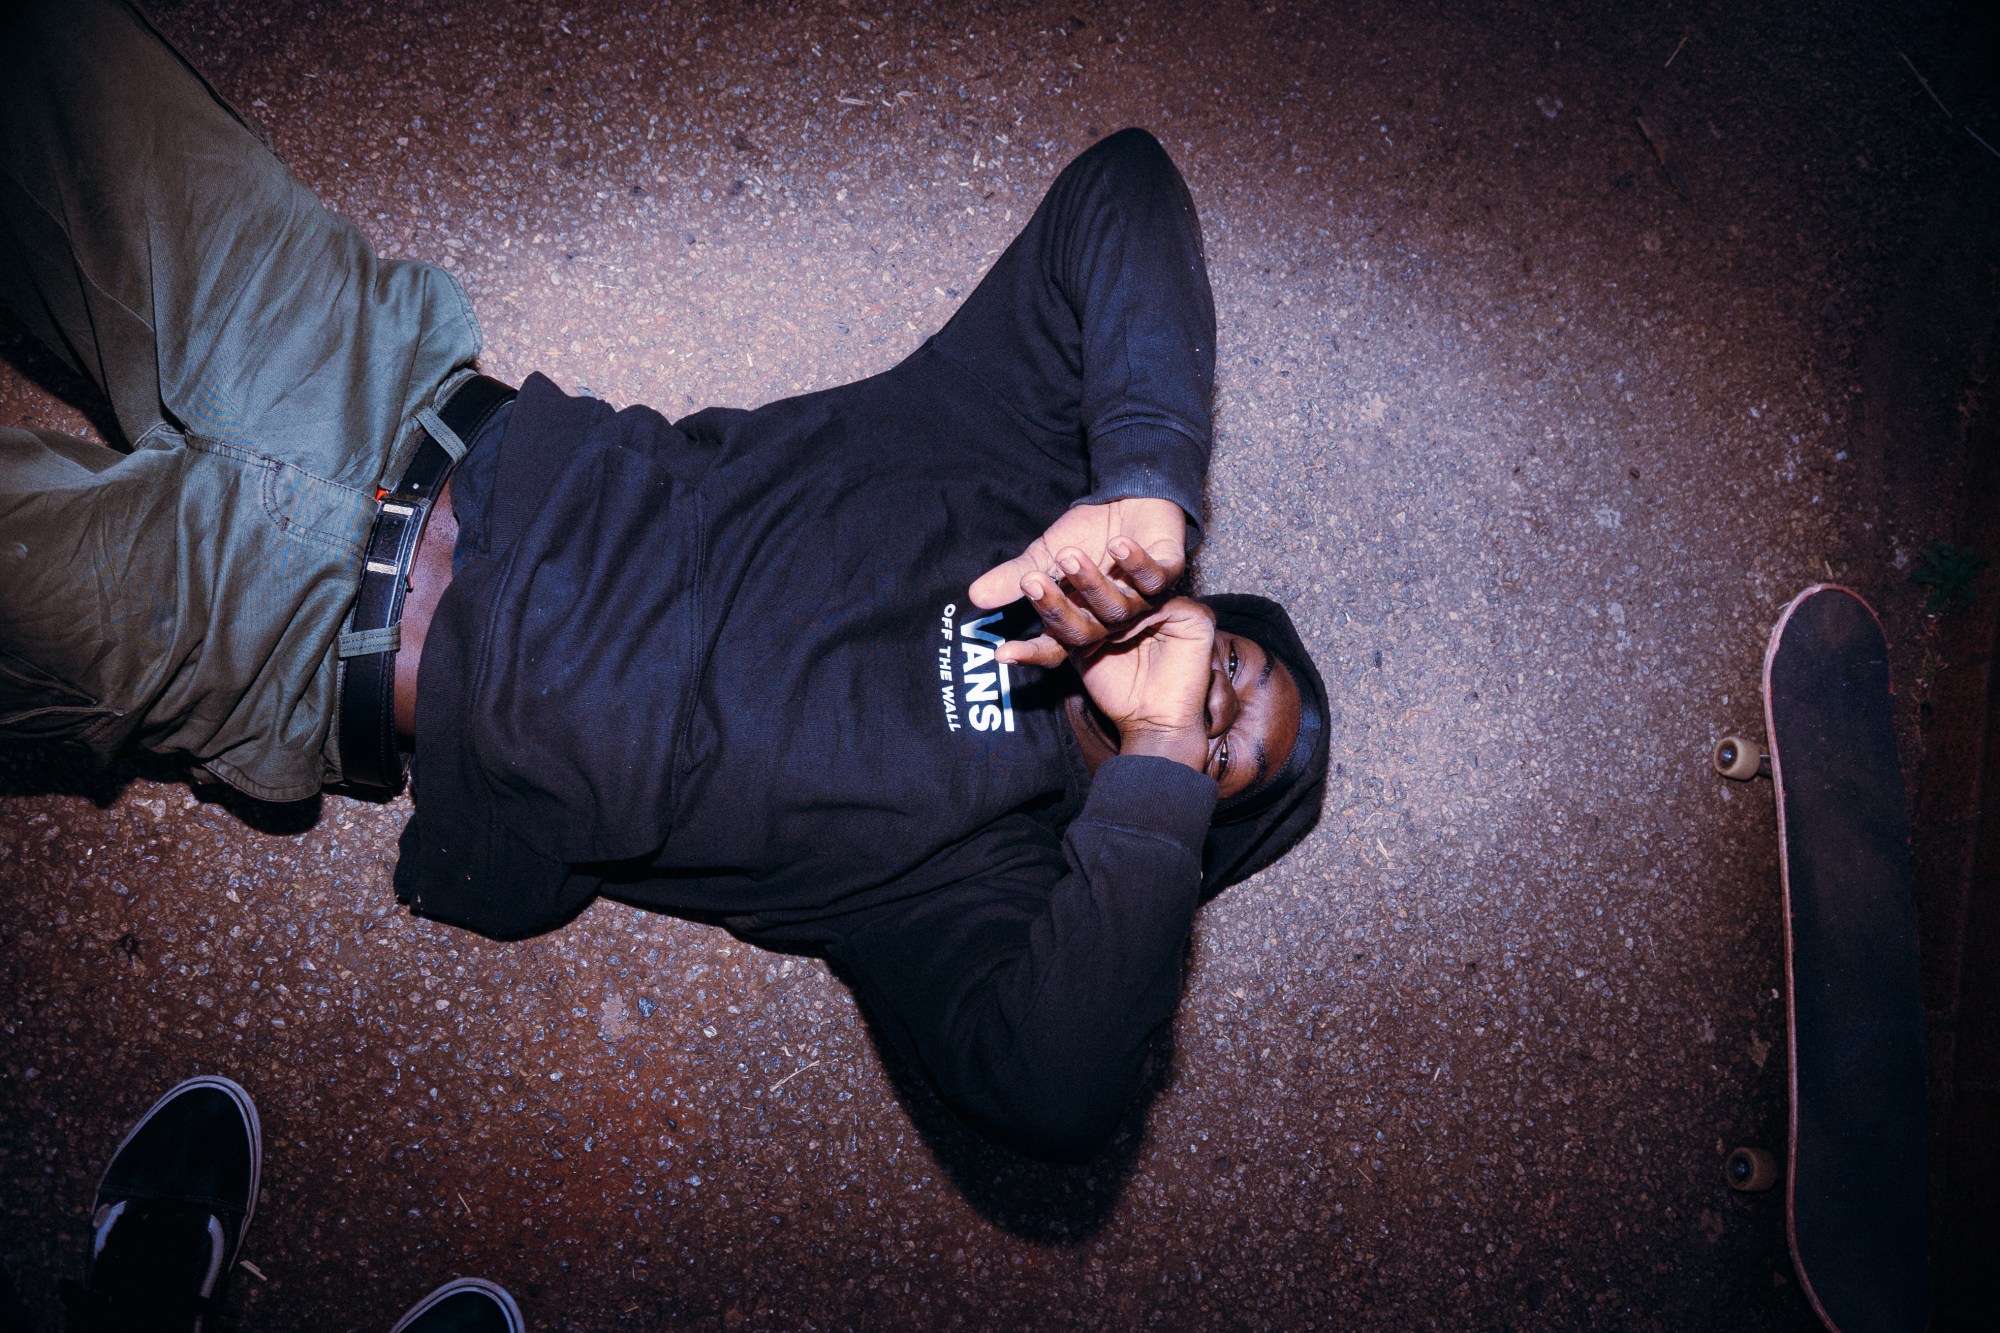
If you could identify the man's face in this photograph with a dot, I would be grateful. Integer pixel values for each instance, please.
(1253, 714)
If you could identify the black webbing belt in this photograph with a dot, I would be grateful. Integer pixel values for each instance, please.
(369, 756)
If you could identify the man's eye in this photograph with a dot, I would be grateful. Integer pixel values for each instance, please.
(1232, 661)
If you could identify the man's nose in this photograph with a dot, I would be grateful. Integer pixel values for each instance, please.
(1221, 704)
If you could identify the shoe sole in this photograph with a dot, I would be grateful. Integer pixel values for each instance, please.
(234, 1091)
(515, 1323)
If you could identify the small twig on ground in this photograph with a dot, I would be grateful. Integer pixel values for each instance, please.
(255, 1271)
(1677, 50)
(795, 1073)
(1653, 143)
(1925, 84)
(1668, 162)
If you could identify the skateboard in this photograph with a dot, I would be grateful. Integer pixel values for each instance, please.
(1855, 1168)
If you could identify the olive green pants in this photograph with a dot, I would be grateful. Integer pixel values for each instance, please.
(184, 592)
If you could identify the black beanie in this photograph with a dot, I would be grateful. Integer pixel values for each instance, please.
(1251, 831)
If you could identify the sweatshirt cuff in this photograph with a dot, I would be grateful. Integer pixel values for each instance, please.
(1143, 791)
(1146, 459)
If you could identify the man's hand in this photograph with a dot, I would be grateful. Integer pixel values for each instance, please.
(1146, 667)
(1154, 684)
(1089, 608)
(1153, 530)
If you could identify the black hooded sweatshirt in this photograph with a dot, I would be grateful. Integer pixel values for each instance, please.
(725, 667)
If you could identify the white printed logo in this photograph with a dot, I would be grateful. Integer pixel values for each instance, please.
(988, 698)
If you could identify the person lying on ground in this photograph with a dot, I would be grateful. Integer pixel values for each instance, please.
(899, 671)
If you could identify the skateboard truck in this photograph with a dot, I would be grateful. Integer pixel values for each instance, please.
(1741, 759)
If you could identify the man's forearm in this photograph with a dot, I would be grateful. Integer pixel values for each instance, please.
(1132, 267)
(1097, 325)
(1028, 1004)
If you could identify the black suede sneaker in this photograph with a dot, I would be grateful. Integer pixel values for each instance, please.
(463, 1305)
(171, 1212)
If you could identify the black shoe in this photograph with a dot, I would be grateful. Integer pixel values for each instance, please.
(171, 1212)
(463, 1305)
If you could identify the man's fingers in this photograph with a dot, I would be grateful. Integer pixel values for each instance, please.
(1000, 584)
(982, 593)
(1041, 651)
(1104, 597)
(1153, 528)
(1171, 555)
(1188, 619)
(1140, 569)
(1065, 622)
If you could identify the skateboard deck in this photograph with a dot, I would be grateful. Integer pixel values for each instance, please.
(1856, 1183)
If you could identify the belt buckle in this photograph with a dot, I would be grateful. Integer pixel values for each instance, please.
(369, 754)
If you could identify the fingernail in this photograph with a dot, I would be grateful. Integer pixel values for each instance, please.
(1122, 549)
(1070, 564)
(1033, 587)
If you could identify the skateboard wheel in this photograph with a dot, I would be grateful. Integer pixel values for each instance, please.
(1750, 1169)
(1738, 758)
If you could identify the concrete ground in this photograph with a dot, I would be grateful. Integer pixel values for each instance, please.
(1560, 345)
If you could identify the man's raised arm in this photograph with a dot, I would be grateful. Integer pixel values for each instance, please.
(1097, 328)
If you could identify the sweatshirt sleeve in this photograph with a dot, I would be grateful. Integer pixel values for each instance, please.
(1097, 326)
(1027, 995)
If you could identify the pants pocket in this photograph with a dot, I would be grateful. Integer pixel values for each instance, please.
(37, 707)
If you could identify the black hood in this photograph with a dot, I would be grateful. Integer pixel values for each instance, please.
(1256, 829)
